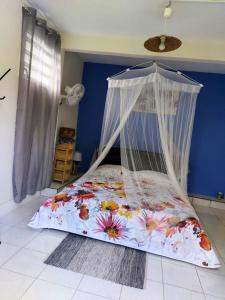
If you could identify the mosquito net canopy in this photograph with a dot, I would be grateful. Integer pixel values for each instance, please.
(149, 113)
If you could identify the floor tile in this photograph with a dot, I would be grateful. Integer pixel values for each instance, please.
(222, 218)
(61, 276)
(200, 202)
(154, 269)
(42, 290)
(84, 296)
(220, 247)
(27, 262)
(23, 224)
(13, 285)
(18, 236)
(7, 207)
(181, 276)
(7, 251)
(213, 223)
(100, 287)
(15, 216)
(45, 242)
(33, 205)
(217, 231)
(4, 228)
(203, 209)
(212, 284)
(56, 233)
(218, 205)
(177, 293)
(177, 262)
(154, 256)
(153, 290)
(219, 271)
(49, 192)
(218, 212)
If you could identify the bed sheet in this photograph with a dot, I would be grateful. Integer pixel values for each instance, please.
(96, 206)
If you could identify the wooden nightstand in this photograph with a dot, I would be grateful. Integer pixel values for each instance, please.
(63, 162)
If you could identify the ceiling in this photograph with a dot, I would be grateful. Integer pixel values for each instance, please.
(136, 18)
(114, 31)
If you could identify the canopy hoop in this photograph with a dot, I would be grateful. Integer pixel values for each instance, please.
(159, 64)
(180, 73)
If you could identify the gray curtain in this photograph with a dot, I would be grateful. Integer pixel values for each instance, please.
(37, 106)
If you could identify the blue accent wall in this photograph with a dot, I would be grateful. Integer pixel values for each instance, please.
(91, 109)
(207, 158)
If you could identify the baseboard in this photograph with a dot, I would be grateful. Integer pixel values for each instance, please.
(206, 197)
(207, 202)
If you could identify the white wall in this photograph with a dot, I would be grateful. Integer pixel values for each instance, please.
(71, 74)
(10, 36)
(196, 50)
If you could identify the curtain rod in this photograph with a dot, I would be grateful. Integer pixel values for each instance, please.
(28, 3)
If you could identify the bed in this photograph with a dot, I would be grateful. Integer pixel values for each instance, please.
(95, 206)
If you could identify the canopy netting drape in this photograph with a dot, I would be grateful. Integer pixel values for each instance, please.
(149, 113)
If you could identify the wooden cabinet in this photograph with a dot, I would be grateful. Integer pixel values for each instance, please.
(63, 162)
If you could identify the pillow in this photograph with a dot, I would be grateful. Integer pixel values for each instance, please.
(108, 170)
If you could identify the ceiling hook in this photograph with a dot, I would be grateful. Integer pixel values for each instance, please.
(168, 10)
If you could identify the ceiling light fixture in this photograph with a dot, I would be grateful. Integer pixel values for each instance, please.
(163, 43)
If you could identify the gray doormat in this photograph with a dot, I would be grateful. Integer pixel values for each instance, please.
(116, 263)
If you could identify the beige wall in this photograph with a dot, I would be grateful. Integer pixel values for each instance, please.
(205, 51)
(71, 74)
(10, 34)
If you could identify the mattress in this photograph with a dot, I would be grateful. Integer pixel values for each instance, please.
(96, 206)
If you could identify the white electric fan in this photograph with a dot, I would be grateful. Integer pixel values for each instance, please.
(74, 94)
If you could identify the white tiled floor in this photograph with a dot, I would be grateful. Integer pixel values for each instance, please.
(23, 274)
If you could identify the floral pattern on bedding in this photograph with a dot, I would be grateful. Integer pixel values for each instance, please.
(96, 206)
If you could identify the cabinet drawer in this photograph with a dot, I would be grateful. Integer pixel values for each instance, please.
(61, 165)
(64, 154)
(60, 175)
(65, 146)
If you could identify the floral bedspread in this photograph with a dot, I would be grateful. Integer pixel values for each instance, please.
(96, 206)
